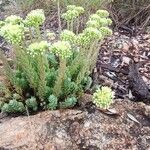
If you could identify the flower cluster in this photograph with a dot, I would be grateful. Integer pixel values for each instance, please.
(105, 31)
(89, 35)
(37, 48)
(62, 49)
(13, 33)
(13, 19)
(35, 18)
(103, 97)
(102, 13)
(72, 12)
(92, 23)
(67, 35)
(98, 21)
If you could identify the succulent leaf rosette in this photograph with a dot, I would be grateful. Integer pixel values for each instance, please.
(37, 48)
(35, 18)
(13, 106)
(13, 19)
(103, 97)
(53, 102)
(62, 49)
(13, 33)
(32, 103)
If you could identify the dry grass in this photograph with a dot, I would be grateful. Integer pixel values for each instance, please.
(130, 12)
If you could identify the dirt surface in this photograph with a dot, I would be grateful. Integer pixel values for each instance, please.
(113, 65)
(88, 129)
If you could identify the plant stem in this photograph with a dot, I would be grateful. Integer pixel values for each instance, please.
(59, 21)
(60, 77)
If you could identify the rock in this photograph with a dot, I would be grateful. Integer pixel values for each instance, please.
(76, 130)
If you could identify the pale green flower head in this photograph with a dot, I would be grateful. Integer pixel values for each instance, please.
(83, 40)
(13, 19)
(109, 21)
(67, 35)
(37, 48)
(95, 17)
(70, 15)
(92, 23)
(102, 13)
(105, 31)
(13, 33)
(103, 97)
(35, 18)
(62, 49)
(92, 33)
(79, 9)
(71, 7)
(103, 22)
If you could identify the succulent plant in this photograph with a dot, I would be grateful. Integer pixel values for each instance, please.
(103, 97)
(32, 103)
(52, 102)
(68, 103)
(13, 106)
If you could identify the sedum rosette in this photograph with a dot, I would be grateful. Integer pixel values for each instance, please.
(103, 97)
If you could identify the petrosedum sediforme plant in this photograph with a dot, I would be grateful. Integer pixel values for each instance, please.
(103, 97)
(46, 73)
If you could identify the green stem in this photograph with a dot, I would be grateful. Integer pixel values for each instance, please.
(60, 77)
(71, 25)
(59, 21)
(42, 76)
(38, 32)
(30, 34)
(68, 25)
(77, 26)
